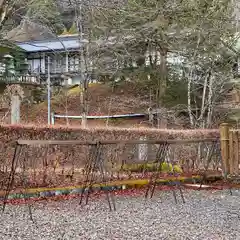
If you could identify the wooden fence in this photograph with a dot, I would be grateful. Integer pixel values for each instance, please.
(230, 146)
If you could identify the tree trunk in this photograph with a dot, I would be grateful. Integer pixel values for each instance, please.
(189, 100)
(162, 83)
(5, 11)
(210, 102)
(205, 103)
(190, 76)
(161, 89)
(203, 107)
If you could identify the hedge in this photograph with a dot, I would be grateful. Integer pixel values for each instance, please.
(11, 133)
(79, 154)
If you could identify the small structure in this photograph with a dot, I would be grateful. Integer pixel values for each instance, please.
(10, 103)
(13, 71)
(15, 109)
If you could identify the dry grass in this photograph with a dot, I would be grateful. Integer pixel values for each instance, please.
(103, 100)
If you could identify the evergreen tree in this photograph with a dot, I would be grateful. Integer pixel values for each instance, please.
(45, 13)
(187, 42)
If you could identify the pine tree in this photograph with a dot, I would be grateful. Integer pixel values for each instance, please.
(45, 13)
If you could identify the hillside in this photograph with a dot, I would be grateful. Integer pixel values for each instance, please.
(31, 28)
(102, 100)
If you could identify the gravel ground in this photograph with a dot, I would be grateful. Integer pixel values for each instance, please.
(205, 215)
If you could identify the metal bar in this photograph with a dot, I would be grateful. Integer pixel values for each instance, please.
(25, 194)
(160, 160)
(17, 153)
(209, 159)
(89, 171)
(49, 93)
(104, 117)
(109, 196)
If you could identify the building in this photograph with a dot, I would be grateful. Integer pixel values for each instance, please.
(63, 54)
(60, 57)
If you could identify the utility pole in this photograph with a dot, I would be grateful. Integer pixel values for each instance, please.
(49, 92)
(83, 80)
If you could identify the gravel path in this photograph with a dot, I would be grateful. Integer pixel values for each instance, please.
(205, 215)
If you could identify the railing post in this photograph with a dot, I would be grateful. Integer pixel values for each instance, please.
(224, 135)
(231, 152)
(236, 153)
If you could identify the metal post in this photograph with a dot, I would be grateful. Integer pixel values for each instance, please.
(83, 83)
(66, 62)
(49, 93)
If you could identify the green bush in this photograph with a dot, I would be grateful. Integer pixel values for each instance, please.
(150, 167)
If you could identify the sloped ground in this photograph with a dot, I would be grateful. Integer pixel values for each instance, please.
(102, 100)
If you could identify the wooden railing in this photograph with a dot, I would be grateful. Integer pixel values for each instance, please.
(20, 79)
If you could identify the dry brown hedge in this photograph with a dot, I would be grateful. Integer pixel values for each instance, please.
(9, 134)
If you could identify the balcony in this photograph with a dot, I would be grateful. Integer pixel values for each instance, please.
(30, 80)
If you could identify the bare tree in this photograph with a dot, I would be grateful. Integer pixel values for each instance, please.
(146, 37)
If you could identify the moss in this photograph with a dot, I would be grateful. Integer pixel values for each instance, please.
(177, 169)
(65, 32)
(73, 29)
(149, 167)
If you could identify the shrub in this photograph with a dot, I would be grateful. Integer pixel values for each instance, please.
(151, 167)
